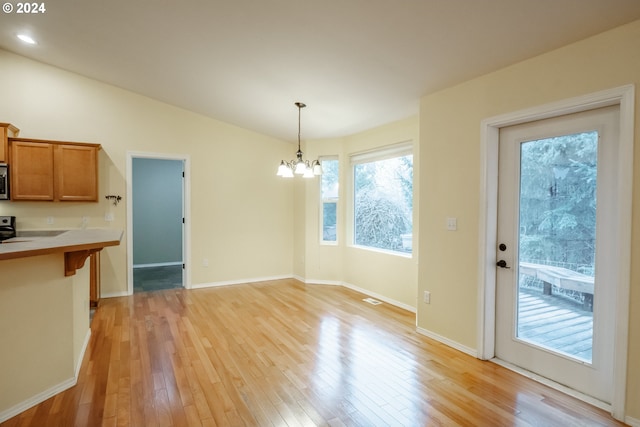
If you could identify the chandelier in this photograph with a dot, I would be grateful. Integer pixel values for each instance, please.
(299, 166)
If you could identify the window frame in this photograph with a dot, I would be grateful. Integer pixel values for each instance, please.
(323, 200)
(369, 156)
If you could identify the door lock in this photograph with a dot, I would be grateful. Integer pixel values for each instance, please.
(502, 264)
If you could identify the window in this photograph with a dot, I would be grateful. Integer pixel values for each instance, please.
(383, 198)
(329, 200)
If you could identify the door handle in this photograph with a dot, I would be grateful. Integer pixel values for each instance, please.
(502, 264)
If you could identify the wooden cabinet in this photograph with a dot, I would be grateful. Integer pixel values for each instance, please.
(94, 279)
(7, 131)
(31, 171)
(53, 170)
(76, 170)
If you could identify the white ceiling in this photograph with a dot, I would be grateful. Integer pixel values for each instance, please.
(356, 64)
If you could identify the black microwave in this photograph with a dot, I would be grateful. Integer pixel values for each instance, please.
(4, 182)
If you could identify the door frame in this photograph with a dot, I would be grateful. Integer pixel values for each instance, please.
(624, 97)
(186, 204)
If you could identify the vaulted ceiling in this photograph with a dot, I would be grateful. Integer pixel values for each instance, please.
(356, 64)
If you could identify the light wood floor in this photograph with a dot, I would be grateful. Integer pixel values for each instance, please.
(283, 353)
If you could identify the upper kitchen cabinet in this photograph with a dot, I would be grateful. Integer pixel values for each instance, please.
(76, 170)
(31, 170)
(53, 170)
(7, 131)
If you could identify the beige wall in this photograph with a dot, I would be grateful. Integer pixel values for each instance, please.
(450, 163)
(44, 322)
(391, 277)
(241, 220)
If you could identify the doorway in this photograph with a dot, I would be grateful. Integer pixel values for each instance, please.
(157, 226)
(492, 273)
(556, 228)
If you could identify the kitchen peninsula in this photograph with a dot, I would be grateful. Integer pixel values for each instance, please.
(44, 313)
(76, 245)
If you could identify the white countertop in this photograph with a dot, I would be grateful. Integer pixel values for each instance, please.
(66, 241)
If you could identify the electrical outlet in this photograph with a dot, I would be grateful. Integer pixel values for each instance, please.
(50, 220)
(108, 217)
(426, 297)
(205, 262)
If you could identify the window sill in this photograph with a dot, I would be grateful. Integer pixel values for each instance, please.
(407, 255)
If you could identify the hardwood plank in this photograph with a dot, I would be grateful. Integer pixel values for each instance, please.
(285, 353)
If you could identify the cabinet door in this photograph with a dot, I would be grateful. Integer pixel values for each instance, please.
(31, 171)
(76, 173)
(4, 150)
(6, 130)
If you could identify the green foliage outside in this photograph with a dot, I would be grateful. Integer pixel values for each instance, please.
(558, 201)
(330, 179)
(383, 203)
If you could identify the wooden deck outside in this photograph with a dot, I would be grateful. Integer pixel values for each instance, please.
(555, 322)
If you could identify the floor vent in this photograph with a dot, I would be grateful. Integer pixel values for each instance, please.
(372, 301)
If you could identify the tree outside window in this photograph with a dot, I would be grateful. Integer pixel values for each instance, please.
(558, 201)
(383, 203)
(329, 200)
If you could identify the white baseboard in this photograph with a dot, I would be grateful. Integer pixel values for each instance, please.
(85, 344)
(362, 291)
(157, 264)
(238, 282)
(114, 294)
(319, 282)
(446, 341)
(309, 282)
(379, 297)
(554, 385)
(50, 392)
(633, 422)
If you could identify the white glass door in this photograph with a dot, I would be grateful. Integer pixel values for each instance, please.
(555, 294)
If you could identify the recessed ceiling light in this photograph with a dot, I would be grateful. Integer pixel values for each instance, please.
(27, 39)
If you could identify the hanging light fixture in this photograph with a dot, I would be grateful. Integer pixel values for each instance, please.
(299, 166)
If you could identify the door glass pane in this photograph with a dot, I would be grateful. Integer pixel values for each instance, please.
(557, 243)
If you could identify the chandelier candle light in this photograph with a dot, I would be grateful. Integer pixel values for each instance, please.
(299, 166)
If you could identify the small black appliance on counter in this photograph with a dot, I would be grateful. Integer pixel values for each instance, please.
(7, 227)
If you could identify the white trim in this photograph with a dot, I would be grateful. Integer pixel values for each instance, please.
(633, 422)
(361, 290)
(37, 399)
(623, 96)
(309, 282)
(50, 392)
(380, 297)
(321, 282)
(238, 282)
(408, 255)
(554, 385)
(85, 344)
(186, 203)
(114, 294)
(399, 149)
(446, 341)
(157, 264)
